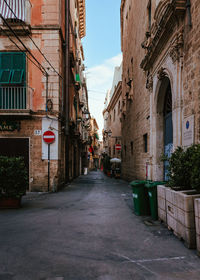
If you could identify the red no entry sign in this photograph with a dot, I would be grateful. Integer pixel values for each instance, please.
(118, 147)
(49, 137)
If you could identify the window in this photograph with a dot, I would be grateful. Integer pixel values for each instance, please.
(114, 115)
(145, 140)
(12, 68)
(13, 80)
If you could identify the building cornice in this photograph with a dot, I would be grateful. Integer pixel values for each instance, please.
(82, 24)
(122, 21)
(168, 16)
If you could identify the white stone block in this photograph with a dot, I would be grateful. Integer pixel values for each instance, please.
(197, 225)
(171, 222)
(162, 215)
(198, 244)
(197, 207)
(161, 191)
(161, 203)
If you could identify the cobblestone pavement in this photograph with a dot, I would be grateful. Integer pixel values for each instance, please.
(88, 231)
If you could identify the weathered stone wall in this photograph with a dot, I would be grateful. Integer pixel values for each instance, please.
(171, 52)
(135, 120)
(38, 168)
(191, 65)
(114, 124)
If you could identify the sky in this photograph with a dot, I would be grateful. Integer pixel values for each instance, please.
(102, 49)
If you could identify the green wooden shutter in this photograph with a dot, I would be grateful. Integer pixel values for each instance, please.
(12, 68)
(19, 68)
(12, 76)
(5, 66)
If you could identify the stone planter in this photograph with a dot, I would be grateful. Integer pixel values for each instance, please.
(180, 215)
(161, 198)
(10, 202)
(197, 223)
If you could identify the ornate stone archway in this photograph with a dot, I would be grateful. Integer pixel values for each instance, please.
(162, 106)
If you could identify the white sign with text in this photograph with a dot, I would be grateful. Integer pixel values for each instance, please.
(188, 131)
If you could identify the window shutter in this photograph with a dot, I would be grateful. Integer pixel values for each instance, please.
(6, 61)
(17, 76)
(13, 68)
(19, 61)
(5, 76)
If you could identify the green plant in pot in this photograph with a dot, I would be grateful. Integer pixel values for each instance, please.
(184, 166)
(193, 154)
(13, 178)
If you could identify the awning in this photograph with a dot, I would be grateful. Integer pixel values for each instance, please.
(13, 9)
(115, 160)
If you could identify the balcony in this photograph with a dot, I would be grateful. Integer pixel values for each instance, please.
(19, 20)
(15, 100)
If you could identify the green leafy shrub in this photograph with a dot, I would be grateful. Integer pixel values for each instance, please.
(194, 155)
(184, 168)
(13, 177)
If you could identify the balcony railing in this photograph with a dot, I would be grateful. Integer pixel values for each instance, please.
(16, 98)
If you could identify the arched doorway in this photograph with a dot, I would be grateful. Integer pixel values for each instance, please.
(168, 128)
(164, 127)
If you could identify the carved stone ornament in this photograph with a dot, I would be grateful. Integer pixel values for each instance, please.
(169, 15)
(149, 83)
(161, 74)
(176, 48)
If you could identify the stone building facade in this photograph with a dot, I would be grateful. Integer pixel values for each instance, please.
(94, 149)
(164, 76)
(35, 85)
(113, 116)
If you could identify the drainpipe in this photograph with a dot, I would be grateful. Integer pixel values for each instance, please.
(188, 8)
(66, 76)
(47, 90)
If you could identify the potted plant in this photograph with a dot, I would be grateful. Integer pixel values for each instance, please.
(182, 188)
(13, 181)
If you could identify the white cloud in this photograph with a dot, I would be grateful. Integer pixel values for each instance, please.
(99, 81)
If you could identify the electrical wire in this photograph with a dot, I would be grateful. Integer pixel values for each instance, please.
(44, 73)
(5, 21)
(33, 40)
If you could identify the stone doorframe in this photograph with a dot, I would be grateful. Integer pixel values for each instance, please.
(161, 80)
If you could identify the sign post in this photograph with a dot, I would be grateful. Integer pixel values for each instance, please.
(48, 138)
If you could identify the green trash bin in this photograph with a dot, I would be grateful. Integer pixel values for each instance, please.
(152, 193)
(140, 198)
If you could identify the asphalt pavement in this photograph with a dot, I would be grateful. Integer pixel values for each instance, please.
(89, 231)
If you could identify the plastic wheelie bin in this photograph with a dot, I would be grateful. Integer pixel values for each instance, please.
(140, 198)
(152, 193)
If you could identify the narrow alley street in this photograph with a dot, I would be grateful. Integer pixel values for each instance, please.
(89, 231)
